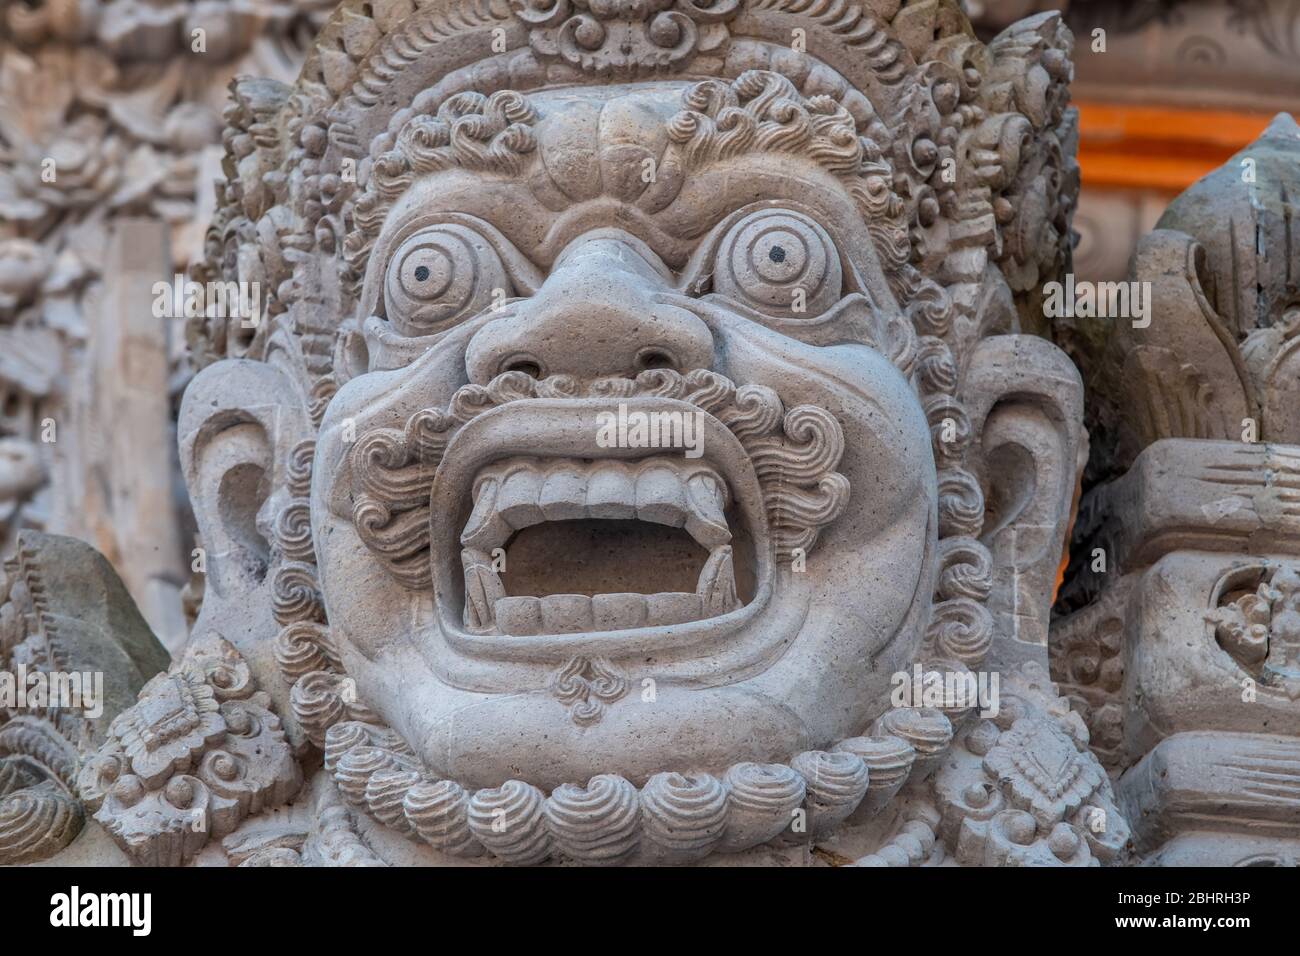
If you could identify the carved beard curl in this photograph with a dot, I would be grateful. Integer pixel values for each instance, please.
(794, 453)
(675, 817)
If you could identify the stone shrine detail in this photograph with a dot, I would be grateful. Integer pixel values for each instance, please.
(458, 610)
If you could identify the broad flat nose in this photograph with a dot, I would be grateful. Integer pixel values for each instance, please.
(594, 316)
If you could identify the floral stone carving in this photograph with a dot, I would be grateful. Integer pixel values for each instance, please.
(1261, 628)
(198, 752)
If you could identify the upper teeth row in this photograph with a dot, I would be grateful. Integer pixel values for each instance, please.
(517, 493)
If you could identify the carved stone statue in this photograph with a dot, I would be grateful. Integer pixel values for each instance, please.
(646, 454)
(1181, 648)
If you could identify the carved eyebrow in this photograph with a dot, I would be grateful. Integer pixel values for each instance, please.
(689, 257)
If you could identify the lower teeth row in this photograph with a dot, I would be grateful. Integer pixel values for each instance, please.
(487, 607)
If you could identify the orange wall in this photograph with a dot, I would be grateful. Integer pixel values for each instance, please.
(1158, 148)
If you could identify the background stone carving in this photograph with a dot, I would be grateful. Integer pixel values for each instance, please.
(1182, 85)
(1176, 640)
(110, 122)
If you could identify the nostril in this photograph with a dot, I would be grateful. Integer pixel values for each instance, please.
(523, 363)
(654, 358)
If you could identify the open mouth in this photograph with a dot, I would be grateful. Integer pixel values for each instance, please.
(562, 546)
(563, 538)
(569, 543)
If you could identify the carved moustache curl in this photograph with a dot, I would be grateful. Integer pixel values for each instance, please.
(794, 453)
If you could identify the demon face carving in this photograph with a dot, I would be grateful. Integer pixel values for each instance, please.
(656, 442)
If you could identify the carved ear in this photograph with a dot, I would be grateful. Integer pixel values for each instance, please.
(239, 424)
(1025, 401)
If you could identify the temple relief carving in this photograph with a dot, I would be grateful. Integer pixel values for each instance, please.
(655, 446)
(557, 421)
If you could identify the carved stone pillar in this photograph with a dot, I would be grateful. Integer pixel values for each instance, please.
(1183, 653)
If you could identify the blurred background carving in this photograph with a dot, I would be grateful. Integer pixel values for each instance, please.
(110, 129)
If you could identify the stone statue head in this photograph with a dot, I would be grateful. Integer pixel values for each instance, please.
(640, 386)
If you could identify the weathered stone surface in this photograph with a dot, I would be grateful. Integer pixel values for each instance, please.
(67, 607)
(648, 446)
(1184, 556)
(74, 652)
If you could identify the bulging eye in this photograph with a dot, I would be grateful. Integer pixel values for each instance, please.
(780, 263)
(439, 275)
